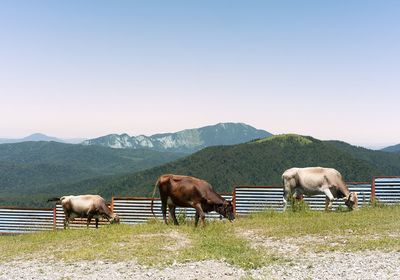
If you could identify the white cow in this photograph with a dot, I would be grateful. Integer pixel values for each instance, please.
(317, 180)
(85, 206)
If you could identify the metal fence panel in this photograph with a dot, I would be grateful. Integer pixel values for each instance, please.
(363, 191)
(135, 210)
(247, 199)
(251, 199)
(21, 220)
(387, 190)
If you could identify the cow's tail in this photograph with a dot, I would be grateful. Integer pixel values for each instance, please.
(54, 199)
(157, 184)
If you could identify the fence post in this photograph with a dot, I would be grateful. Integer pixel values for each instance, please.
(373, 190)
(234, 200)
(112, 204)
(54, 218)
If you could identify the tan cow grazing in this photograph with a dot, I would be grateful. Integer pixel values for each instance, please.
(186, 191)
(85, 206)
(317, 180)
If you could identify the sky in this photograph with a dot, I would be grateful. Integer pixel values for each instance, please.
(329, 69)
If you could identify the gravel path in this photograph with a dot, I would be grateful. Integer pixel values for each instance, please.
(120, 270)
(332, 265)
(299, 265)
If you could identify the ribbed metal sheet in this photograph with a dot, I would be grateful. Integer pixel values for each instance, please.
(77, 223)
(387, 190)
(22, 220)
(253, 199)
(133, 210)
(363, 191)
(250, 199)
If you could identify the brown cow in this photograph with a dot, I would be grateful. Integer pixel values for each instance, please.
(186, 191)
(85, 206)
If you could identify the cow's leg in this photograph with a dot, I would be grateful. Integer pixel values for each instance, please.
(196, 219)
(97, 222)
(200, 212)
(327, 201)
(172, 209)
(286, 194)
(164, 199)
(66, 221)
(89, 218)
(329, 198)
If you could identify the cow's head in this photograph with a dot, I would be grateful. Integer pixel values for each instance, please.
(114, 219)
(226, 210)
(351, 201)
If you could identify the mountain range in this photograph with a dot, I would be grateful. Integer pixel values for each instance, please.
(41, 137)
(185, 141)
(29, 167)
(225, 154)
(257, 162)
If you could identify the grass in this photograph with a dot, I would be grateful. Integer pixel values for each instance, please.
(155, 244)
(365, 229)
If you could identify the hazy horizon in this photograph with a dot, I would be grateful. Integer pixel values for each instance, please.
(86, 69)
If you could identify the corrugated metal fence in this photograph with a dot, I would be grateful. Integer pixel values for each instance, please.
(250, 199)
(386, 189)
(21, 220)
(135, 210)
(246, 199)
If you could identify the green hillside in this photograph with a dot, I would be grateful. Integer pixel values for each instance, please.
(392, 149)
(388, 162)
(30, 167)
(259, 162)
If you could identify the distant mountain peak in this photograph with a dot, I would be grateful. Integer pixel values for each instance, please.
(185, 141)
(392, 149)
(41, 137)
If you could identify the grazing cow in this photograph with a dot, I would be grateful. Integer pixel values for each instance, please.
(186, 191)
(317, 180)
(85, 206)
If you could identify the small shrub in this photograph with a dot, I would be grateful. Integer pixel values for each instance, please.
(377, 204)
(181, 217)
(299, 205)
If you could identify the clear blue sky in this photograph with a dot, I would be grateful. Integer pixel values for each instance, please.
(330, 69)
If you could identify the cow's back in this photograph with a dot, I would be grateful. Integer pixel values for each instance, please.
(312, 178)
(81, 203)
(186, 190)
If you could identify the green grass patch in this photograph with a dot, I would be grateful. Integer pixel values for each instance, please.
(218, 241)
(149, 244)
(156, 244)
(364, 229)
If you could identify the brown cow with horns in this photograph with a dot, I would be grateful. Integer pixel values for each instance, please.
(186, 191)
